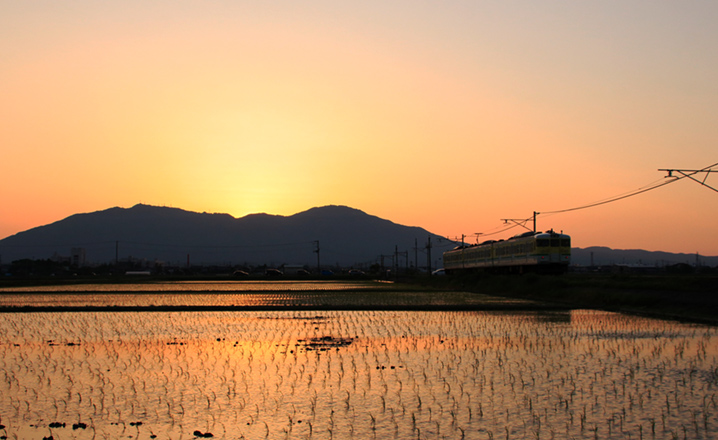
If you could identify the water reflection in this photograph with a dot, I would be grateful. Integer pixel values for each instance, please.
(251, 294)
(204, 286)
(356, 375)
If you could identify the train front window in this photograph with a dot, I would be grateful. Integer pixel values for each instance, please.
(542, 242)
(565, 242)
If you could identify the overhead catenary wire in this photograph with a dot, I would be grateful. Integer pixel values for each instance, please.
(641, 190)
(706, 170)
(645, 188)
(504, 229)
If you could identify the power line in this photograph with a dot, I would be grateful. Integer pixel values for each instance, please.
(644, 189)
(508, 228)
(649, 187)
(613, 199)
(692, 172)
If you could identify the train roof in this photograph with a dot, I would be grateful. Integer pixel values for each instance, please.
(525, 234)
(551, 233)
(548, 234)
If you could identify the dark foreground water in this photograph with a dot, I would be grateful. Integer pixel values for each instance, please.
(355, 374)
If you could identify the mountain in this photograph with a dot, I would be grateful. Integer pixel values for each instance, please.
(603, 256)
(345, 237)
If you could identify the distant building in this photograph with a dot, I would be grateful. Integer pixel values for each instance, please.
(60, 259)
(77, 257)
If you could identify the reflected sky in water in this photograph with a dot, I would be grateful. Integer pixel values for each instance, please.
(358, 374)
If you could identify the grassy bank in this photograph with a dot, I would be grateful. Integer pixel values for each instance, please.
(691, 298)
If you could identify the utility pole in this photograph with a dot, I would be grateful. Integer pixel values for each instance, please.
(689, 174)
(428, 255)
(393, 263)
(416, 255)
(319, 267)
(396, 259)
(405, 254)
(522, 222)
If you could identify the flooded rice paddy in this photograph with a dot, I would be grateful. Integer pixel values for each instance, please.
(362, 374)
(245, 294)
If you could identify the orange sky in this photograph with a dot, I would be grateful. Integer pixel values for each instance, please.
(449, 116)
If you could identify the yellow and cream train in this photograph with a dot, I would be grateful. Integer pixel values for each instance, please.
(547, 252)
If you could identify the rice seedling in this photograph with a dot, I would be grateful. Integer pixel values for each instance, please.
(295, 374)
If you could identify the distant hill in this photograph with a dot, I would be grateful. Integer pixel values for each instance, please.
(346, 237)
(604, 256)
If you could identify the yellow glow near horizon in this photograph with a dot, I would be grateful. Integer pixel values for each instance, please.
(446, 117)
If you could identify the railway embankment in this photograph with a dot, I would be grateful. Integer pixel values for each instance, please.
(683, 297)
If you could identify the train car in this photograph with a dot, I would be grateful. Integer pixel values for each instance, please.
(546, 252)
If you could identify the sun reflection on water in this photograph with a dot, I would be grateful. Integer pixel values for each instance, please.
(358, 374)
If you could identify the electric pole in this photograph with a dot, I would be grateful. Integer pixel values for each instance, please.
(463, 264)
(522, 222)
(689, 174)
(416, 255)
(319, 267)
(428, 255)
(396, 259)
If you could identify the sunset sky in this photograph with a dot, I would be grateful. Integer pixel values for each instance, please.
(445, 115)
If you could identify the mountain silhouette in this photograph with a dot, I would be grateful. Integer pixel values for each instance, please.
(345, 236)
(604, 256)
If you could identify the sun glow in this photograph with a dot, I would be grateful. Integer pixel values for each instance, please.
(447, 118)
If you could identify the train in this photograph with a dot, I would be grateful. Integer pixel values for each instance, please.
(543, 252)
